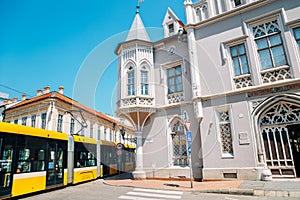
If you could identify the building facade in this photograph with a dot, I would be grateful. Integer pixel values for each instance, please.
(54, 111)
(230, 76)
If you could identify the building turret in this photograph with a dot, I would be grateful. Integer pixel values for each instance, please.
(136, 90)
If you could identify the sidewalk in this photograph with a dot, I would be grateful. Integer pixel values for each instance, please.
(275, 188)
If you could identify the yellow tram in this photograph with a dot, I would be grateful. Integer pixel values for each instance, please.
(33, 159)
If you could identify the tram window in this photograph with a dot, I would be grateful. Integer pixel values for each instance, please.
(24, 163)
(91, 159)
(5, 166)
(37, 160)
(5, 163)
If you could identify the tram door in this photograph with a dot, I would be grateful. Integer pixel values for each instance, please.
(6, 155)
(54, 164)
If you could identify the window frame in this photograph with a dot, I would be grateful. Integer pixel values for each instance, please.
(144, 84)
(171, 28)
(296, 39)
(24, 121)
(238, 56)
(43, 120)
(174, 77)
(59, 123)
(33, 121)
(72, 125)
(230, 124)
(262, 28)
(130, 81)
(91, 131)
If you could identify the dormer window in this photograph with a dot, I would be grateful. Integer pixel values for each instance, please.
(130, 81)
(171, 28)
(237, 2)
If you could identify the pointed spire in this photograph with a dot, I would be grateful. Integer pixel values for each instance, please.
(137, 30)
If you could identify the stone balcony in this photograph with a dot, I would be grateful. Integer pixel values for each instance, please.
(136, 102)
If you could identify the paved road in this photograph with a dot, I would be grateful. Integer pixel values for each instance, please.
(98, 190)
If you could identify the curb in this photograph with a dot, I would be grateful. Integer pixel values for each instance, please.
(233, 191)
(277, 193)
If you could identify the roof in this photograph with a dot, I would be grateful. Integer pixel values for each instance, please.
(57, 95)
(137, 30)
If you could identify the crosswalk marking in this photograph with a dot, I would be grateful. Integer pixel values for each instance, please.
(135, 198)
(154, 195)
(158, 191)
(150, 194)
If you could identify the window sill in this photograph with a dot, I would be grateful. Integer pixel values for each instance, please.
(227, 156)
(274, 69)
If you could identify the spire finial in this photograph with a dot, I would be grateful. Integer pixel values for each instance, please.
(138, 6)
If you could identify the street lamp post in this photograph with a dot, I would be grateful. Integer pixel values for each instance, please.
(189, 139)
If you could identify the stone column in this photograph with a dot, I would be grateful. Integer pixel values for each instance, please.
(139, 173)
(195, 73)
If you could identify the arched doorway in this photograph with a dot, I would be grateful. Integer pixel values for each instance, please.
(279, 128)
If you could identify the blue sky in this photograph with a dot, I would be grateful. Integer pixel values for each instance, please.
(71, 43)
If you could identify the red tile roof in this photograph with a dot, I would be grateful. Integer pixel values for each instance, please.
(70, 101)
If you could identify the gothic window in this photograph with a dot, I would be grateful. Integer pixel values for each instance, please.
(297, 36)
(225, 133)
(174, 80)
(239, 59)
(130, 81)
(59, 123)
(179, 144)
(202, 12)
(269, 44)
(144, 82)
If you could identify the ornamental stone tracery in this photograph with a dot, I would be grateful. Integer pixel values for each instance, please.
(281, 113)
(266, 29)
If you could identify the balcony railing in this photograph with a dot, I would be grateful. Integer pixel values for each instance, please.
(137, 102)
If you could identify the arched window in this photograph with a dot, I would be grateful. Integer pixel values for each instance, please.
(179, 144)
(130, 81)
(144, 81)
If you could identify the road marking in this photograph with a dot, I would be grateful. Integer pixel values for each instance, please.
(136, 198)
(150, 194)
(153, 195)
(158, 191)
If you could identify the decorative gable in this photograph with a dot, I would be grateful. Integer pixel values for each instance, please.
(170, 24)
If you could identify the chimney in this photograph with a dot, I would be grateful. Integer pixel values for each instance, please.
(61, 89)
(39, 92)
(46, 89)
(23, 97)
(9, 101)
(5, 102)
(15, 99)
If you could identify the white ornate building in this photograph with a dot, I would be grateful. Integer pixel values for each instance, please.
(234, 73)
